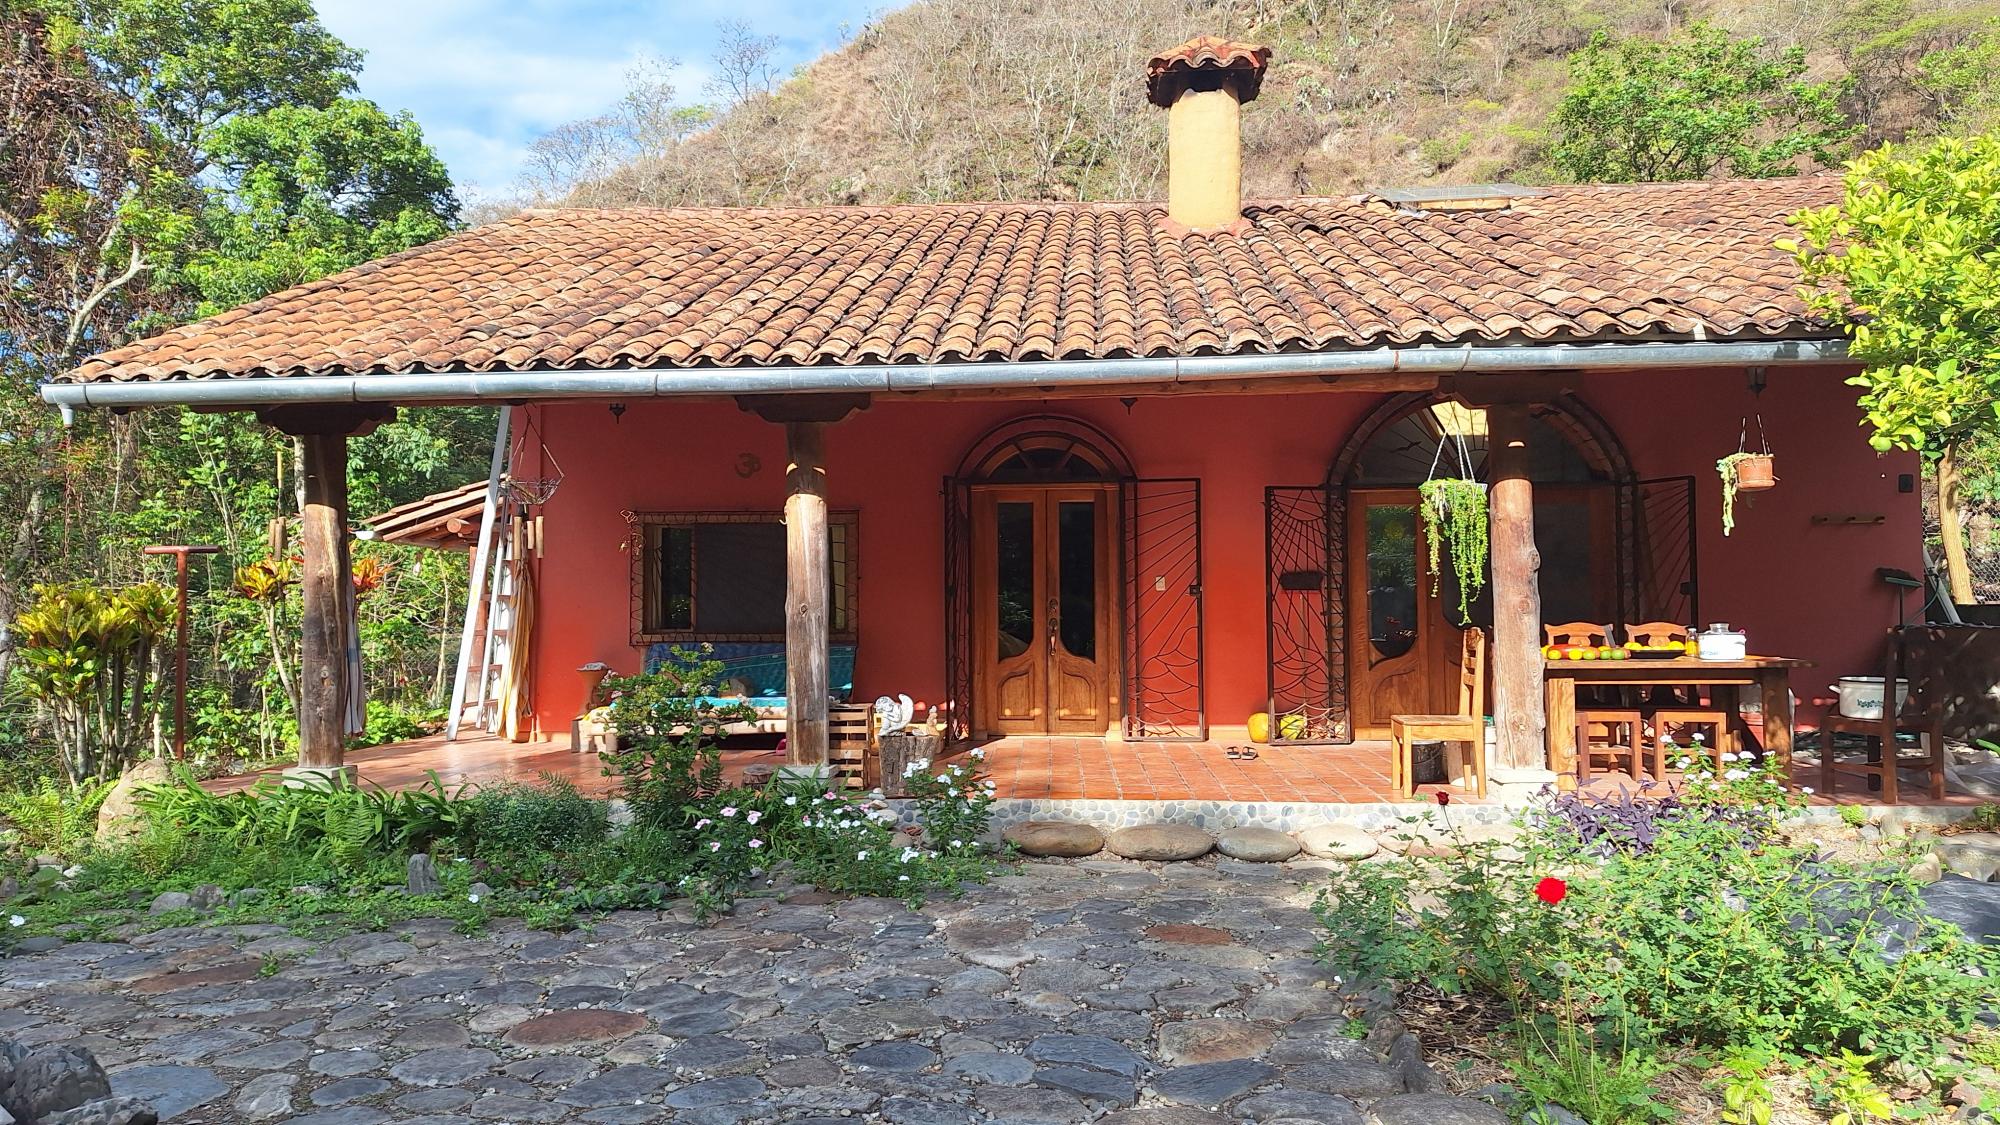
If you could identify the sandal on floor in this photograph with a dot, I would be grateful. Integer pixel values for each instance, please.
(1233, 753)
(1248, 755)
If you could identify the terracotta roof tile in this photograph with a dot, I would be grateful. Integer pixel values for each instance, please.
(1013, 281)
(1167, 72)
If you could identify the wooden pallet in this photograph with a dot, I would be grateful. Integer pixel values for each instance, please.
(851, 745)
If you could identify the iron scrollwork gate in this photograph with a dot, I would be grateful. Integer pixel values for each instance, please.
(1659, 579)
(1305, 550)
(1164, 685)
(958, 677)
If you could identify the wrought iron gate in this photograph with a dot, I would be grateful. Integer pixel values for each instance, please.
(958, 677)
(1305, 551)
(1658, 580)
(1164, 686)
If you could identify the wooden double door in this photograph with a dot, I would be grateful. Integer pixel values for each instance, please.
(1044, 621)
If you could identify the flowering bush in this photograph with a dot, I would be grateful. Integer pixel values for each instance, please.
(1702, 930)
(826, 838)
(954, 803)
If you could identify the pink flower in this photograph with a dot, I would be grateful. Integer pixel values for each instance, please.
(756, 843)
(727, 811)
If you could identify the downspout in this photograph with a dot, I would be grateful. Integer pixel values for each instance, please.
(546, 383)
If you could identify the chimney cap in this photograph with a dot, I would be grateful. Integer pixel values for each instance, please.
(1170, 72)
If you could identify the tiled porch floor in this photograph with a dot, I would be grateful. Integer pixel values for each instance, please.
(1035, 768)
(1075, 768)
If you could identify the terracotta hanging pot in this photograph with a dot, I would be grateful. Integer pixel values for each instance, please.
(1756, 473)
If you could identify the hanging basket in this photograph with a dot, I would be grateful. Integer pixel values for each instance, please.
(1755, 472)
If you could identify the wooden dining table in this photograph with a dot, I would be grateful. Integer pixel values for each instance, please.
(1725, 680)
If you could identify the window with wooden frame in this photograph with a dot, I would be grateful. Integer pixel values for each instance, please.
(720, 576)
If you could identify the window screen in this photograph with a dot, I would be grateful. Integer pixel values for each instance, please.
(722, 576)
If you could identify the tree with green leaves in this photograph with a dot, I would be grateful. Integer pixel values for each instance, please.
(1907, 265)
(1687, 107)
(166, 159)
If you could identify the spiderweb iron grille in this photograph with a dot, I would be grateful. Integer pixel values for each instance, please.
(1163, 611)
(1306, 629)
(958, 678)
(1659, 551)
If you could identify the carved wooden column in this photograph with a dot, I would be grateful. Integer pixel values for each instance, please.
(1517, 599)
(324, 690)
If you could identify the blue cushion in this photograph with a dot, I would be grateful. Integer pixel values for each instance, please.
(761, 665)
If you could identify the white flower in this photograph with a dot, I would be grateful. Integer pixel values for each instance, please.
(704, 822)
(16, 920)
(1735, 775)
(958, 843)
(1727, 756)
(472, 898)
(977, 755)
(755, 843)
(1699, 737)
(752, 817)
(902, 878)
(862, 854)
(944, 779)
(909, 854)
(715, 845)
(791, 800)
(727, 811)
(460, 859)
(1806, 789)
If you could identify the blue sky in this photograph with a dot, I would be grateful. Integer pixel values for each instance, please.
(486, 77)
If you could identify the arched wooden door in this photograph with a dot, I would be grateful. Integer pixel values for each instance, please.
(1044, 629)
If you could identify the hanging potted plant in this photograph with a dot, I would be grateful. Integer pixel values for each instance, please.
(1454, 511)
(1745, 471)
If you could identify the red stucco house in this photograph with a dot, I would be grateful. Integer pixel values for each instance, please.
(1128, 471)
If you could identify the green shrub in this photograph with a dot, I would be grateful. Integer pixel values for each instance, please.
(548, 817)
(954, 805)
(1712, 936)
(670, 730)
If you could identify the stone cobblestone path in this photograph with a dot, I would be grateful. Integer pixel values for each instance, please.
(1137, 994)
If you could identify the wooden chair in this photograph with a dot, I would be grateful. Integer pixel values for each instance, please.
(1468, 726)
(1669, 709)
(1921, 714)
(1601, 710)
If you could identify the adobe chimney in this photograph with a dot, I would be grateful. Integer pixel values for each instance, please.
(1201, 84)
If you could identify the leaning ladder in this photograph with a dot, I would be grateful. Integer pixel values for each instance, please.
(482, 602)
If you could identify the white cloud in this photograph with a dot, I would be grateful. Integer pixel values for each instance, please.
(486, 77)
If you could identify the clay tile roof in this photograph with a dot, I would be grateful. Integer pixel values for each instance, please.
(1166, 72)
(444, 520)
(997, 282)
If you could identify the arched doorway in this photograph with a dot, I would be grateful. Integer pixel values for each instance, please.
(1041, 498)
(1404, 622)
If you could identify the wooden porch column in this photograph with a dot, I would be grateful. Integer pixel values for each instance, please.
(324, 689)
(1517, 598)
(808, 567)
(808, 586)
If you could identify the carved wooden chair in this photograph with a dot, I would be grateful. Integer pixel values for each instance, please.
(1671, 712)
(1606, 722)
(1467, 726)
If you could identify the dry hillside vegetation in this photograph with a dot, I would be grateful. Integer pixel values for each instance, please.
(1043, 99)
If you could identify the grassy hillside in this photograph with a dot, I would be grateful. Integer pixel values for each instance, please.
(1026, 99)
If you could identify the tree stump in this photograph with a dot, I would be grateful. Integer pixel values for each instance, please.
(898, 750)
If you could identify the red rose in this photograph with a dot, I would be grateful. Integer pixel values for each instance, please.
(1443, 797)
(1551, 890)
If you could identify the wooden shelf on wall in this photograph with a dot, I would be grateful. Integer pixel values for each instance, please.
(1862, 519)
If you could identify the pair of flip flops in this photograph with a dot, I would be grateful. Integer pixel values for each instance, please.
(1239, 753)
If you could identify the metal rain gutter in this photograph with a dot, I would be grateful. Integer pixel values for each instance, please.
(683, 382)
